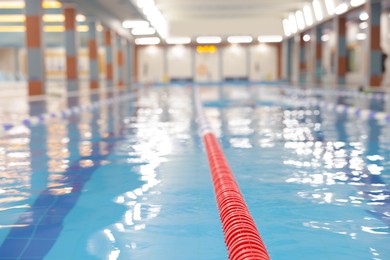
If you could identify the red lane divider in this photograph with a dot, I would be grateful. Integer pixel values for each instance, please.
(241, 235)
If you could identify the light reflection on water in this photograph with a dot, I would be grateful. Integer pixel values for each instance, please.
(329, 164)
(335, 161)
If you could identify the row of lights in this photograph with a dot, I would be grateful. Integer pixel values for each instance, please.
(208, 40)
(156, 22)
(359, 36)
(302, 19)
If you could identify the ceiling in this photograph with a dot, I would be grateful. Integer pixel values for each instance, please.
(208, 17)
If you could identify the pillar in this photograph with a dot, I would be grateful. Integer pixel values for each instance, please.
(341, 50)
(279, 47)
(71, 46)
(248, 61)
(318, 55)
(120, 62)
(302, 60)
(130, 69)
(108, 47)
(220, 64)
(165, 65)
(35, 49)
(93, 56)
(374, 53)
(289, 56)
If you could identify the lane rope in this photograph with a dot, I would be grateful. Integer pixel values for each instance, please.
(63, 114)
(242, 238)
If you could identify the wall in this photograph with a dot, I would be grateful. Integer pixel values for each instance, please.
(257, 62)
(150, 64)
(9, 66)
(179, 62)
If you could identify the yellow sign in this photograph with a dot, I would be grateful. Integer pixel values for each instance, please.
(206, 49)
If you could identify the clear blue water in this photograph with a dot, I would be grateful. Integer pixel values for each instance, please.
(131, 181)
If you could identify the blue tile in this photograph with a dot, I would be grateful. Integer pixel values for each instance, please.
(37, 248)
(21, 232)
(12, 247)
(47, 231)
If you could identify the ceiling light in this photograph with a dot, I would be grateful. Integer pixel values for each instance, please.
(306, 37)
(357, 2)
(293, 23)
(308, 15)
(21, 4)
(361, 36)
(143, 31)
(325, 37)
(342, 8)
(300, 20)
(147, 41)
(135, 24)
(363, 16)
(240, 39)
(12, 18)
(363, 25)
(178, 40)
(286, 27)
(208, 39)
(80, 18)
(53, 18)
(330, 6)
(270, 38)
(318, 10)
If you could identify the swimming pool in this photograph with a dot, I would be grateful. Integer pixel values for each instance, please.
(130, 180)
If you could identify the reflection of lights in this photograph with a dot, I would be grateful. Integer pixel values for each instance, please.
(137, 212)
(114, 254)
(109, 235)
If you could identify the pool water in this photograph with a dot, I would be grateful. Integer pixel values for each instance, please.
(131, 180)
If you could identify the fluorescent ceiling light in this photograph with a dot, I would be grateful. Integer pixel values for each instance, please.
(330, 6)
(135, 24)
(361, 36)
(147, 41)
(80, 18)
(308, 15)
(300, 20)
(293, 23)
(286, 27)
(357, 2)
(363, 16)
(363, 25)
(53, 18)
(178, 40)
(143, 31)
(342, 8)
(270, 38)
(240, 39)
(12, 18)
(318, 10)
(325, 37)
(21, 4)
(208, 39)
(306, 37)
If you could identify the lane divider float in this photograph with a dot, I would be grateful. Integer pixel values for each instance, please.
(46, 117)
(242, 238)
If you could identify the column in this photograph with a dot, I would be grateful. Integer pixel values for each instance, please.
(318, 55)
(71, 46)
(341, 50)
(165, 66)
(193, 63)
(248, 61)
(289, 55)
(35, 49)
(279, 47)
(220, 63)
(374, 53)
(108, 46)
(93, 56)
(302, 60)
(130, 69)
(120, 62)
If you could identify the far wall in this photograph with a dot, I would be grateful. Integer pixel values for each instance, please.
(256, 62)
